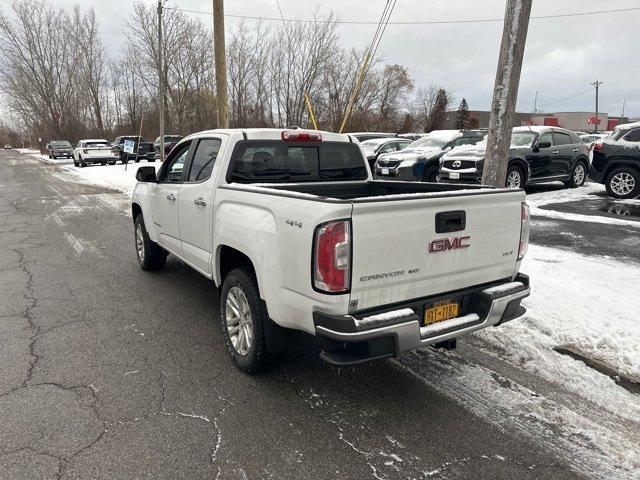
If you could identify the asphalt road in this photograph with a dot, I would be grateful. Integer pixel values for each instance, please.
(107, 371)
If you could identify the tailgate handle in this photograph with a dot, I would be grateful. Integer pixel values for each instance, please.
(453, 221)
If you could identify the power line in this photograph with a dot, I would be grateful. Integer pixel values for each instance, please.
(418, 22)
(566, 98)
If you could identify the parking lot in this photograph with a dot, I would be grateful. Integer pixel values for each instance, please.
(111, 372)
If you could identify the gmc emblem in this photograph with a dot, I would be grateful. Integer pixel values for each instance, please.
(443, 244)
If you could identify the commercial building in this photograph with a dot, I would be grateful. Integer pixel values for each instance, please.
(578, 121)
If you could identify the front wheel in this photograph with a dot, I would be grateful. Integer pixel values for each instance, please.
(151, 256)
(515, 177)
(243, 320)
(623, 183)
(578, 176)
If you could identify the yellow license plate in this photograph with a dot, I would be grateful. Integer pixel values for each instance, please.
(440, 313)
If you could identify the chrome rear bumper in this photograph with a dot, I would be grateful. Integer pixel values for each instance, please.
(348, 340)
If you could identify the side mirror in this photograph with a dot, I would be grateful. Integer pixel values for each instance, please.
(146, 174)
(544, 145)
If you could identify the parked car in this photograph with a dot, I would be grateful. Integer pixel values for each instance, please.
(8, 147)
(142, 150)
(93, 150)
(59, 148)
(537, 155)
(616, 161)
(292, 228)
(411, 136)
(590, 138)
(419, 161)
(362, 136)
(170, 141)
(377, 146)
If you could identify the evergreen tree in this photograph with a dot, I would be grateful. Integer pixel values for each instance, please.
(462, 116)
(437, 114)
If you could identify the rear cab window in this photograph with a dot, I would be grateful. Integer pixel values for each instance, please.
(272, 161)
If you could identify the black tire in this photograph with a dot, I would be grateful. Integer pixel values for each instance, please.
(82, 164)
(54, 157)
(514, 172)
(256, 358)
(75, 164)
(628, 175)
(151, 256)
(573, 182)
(112, 163)
(430, 173)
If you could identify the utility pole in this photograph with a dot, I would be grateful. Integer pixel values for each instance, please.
(221, 64)
(505, 91)
(596, 84)
(622, 114)
(535, 104)
(160, 82)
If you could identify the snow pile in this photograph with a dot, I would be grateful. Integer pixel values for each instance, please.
(589, 304)
(112, 176)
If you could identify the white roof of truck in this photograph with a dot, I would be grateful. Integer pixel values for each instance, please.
(273, 133)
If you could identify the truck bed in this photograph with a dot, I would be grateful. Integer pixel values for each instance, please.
(368, 191)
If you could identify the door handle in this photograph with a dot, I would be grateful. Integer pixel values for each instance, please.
(555, 151)
(171, 197)
(575, 149)
(200, 201)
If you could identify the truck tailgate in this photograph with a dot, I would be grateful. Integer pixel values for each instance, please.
(392, 260)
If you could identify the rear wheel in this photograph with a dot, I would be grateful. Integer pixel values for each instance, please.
(515, 177)
(578, 175)
(103, 163)
(151, 256)
(243, 321)
(430, 173)
(623, 183)
(81, 162)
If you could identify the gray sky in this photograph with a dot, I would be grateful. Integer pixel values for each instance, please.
(562, 55)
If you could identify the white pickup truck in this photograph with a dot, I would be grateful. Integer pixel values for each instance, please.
(297, 236)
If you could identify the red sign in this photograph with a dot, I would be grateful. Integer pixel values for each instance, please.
(593, 120)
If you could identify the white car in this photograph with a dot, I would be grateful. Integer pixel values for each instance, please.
(93, 150)
(298, 237)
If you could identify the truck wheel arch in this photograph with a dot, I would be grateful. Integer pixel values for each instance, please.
(135, 210)
(229, 258)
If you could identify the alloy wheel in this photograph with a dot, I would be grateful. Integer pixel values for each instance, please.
(578, 174)
(622, 183)
(140, 242)
(514, 180)
(239, 321)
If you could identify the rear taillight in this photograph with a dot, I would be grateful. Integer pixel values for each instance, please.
(597, 146)
(332, 257)
(300, 136)
(525, 216)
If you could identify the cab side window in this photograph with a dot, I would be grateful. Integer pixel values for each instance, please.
(173, 168)
(204, 158)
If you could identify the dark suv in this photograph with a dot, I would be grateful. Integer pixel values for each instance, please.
(142, 150)
(59, 148)
(537, 155)
(616, 161)
(419, 161)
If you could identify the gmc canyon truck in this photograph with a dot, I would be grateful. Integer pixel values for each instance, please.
(296, 234)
